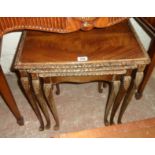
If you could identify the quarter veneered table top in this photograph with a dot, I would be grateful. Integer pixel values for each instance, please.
(117, 42)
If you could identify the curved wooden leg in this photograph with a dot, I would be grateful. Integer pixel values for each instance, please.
(47, 87)
(104, 84)
(138, 95)
(131, 91)
(126, 101)
(100, 84)
(100, 89)
(28, 92)
(41, 101)
(9, 99)
(123, 88)
(57, 89)
(113, 90)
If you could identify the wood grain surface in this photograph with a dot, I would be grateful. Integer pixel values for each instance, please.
(113, 43)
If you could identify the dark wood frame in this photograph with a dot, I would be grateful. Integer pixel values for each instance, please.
(7, 95)
(148, 25)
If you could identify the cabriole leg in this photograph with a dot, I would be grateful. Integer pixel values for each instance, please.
(100, 84)
(40, 98)
(122, 91)
(131, 91)
(47, 87)
(113, 90)
(57, 89)
(104, 84)
(100, 89)
(26, 84)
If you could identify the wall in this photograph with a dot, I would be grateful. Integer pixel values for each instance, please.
(9, 45)
(10, 42)
(144, 38)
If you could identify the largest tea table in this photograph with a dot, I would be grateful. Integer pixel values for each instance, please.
(109, 54)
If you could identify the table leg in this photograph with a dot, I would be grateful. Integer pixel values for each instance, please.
(131, 91)
(147, 72)
(113, 90)
(40, 99)
(47, 87)
(9, 99)
(122, 91)
(57, 89)
(28, 92)
(100, 89)
(100, 84)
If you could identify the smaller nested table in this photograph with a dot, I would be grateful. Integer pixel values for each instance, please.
(111, 54)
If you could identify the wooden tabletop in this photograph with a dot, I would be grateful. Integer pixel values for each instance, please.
(117, 42)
